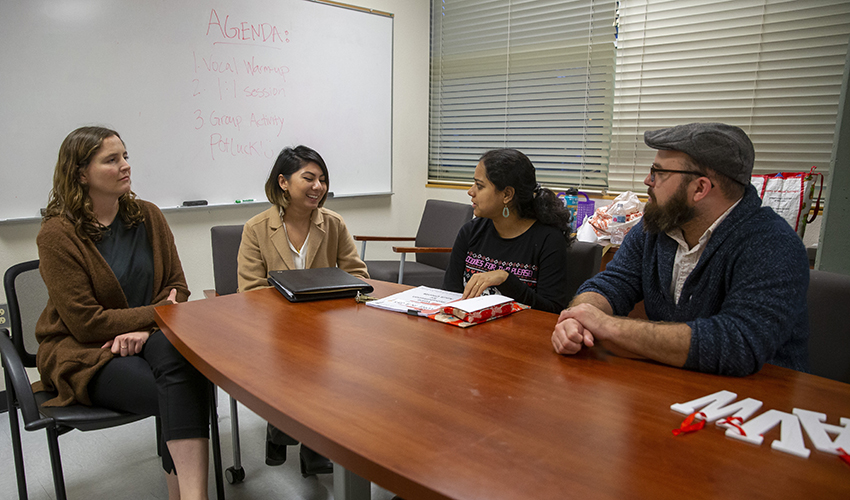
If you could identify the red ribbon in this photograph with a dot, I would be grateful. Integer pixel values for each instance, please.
(731, 421)
(689, 426)
(843, 456)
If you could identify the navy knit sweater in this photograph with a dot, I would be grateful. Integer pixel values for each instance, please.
(745, 300)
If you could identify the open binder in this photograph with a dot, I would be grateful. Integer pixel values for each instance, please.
(299, 285)
(447, 307)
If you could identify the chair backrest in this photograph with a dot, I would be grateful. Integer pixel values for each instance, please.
(27, 297)
(441, 221)
(829, 330)
(583, 261)
(225, 248)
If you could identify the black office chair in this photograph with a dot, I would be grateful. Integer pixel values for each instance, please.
(441, 221)
(829, 330)
(225, 248)
(583, 262)
(27, 296)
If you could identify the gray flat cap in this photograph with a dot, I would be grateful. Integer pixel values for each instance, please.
(724, 148)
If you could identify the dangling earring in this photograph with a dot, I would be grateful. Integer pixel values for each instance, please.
(506, 212)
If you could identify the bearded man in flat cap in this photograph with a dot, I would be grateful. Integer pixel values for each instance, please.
(723, 279)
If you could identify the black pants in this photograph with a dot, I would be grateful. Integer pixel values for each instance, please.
(159, 382)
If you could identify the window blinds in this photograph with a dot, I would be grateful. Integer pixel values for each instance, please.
(535, 75)
(772, 67)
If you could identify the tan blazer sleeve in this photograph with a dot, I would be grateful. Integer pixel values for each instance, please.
(251, 266)
(348, 259)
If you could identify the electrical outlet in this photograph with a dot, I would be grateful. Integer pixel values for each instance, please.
(4, 315)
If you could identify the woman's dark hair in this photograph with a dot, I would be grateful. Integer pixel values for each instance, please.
(509, 167)
(289, 161)
(70, 198)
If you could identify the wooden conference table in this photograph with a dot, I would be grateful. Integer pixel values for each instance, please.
(429, 410)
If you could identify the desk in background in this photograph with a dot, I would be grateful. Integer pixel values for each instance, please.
(428, 410)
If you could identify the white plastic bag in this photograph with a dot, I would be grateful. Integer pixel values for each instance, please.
(790, 194)
(586, 232)
(605, 221)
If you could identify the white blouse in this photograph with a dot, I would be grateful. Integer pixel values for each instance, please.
(297, 258)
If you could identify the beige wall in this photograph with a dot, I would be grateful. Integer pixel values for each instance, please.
(380, 215)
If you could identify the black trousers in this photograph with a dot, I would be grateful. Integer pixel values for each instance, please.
(158, 382)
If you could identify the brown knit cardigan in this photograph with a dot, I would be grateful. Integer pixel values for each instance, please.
(87, 307)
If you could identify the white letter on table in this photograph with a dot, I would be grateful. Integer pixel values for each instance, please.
(717, 406)
(818, 431)
(791, 436)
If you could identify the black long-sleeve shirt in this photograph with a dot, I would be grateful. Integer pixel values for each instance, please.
(536, 262)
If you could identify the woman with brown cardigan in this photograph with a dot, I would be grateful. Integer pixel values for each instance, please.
(108, 259)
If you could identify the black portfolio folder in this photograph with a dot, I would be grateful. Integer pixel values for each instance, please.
(299, 285)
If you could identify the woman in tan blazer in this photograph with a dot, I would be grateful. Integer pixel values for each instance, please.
(295, 233)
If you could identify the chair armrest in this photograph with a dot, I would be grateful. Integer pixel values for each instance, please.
(422, 249)
(208, 294)
(406, 250)
(364, 239)
(18, 384)
(384, 238)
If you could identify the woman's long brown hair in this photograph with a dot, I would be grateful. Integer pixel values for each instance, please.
(70, 198)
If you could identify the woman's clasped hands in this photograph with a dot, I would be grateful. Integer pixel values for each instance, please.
(131, 343)
(127, 344)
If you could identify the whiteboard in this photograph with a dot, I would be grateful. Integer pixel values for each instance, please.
(204, 94)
